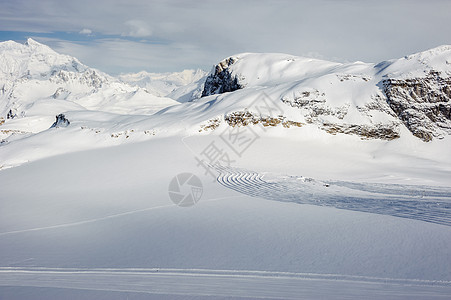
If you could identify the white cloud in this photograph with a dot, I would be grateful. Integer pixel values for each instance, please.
(204, 32)
(116, 56)
(138, 29)
(86, 31)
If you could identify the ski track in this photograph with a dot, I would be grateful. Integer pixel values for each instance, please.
(425, 203)
(94, 220)
(84, 221)
(229, 283)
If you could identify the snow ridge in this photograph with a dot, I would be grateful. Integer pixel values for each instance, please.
(412, 91)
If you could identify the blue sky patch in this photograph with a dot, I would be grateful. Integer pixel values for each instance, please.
(76, 37)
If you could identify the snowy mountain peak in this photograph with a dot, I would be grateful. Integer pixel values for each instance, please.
(441, 51)
(31, 73)
(420, 64)
(34, 60)
(36, 45)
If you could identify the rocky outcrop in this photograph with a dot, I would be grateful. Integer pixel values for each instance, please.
(314, 104)
(221, 80)
(422, 104)
(375, 131)
(244, 118)
(89, 78)
(60, 93)
(11, 114)
(61, 121)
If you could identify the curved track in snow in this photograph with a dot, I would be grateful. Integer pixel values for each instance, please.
(424, 203)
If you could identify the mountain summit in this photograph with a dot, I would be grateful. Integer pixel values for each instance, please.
(33, 60)
(33, 73)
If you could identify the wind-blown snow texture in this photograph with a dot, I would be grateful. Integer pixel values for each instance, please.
(343, 190)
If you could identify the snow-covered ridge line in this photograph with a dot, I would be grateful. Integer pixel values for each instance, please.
(415, 89)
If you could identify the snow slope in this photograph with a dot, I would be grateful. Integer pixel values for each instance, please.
(419, 64)
(306, 191)
(102, 220)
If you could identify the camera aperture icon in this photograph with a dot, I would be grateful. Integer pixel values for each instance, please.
(185, 189)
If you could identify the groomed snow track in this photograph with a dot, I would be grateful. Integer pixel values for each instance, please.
(226, 283)
(425, 203)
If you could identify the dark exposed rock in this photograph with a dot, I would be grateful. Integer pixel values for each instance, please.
(222, 80)
(61, 121)
(11, 114)
(423, 104)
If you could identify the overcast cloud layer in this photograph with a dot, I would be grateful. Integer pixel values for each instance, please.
(128, 36)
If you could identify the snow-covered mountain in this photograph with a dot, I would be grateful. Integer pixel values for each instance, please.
(370, 100)
(35, 80)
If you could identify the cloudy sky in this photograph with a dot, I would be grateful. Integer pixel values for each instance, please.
(154, 35)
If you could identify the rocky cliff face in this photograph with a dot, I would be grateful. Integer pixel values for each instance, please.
(221, 80)
(422, 104)
(61, 121)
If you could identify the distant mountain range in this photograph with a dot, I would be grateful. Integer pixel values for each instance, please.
(33, 73)
(181, 86)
